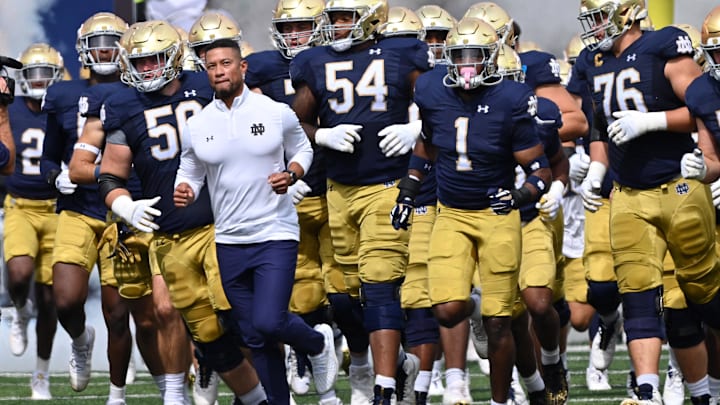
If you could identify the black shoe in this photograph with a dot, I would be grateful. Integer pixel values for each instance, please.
(644, 392)
(537, 398)
(701, 400)
(556, 386)
(421, 398)
(383, 396)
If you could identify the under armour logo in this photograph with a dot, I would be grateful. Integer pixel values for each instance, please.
(257, 129)
(682, 188)
(684, 44)
(631, 58)
(483, 109)
(191, 93)
(209, 138)
(375, 51)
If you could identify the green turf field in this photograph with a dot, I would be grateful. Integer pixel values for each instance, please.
(14, 388)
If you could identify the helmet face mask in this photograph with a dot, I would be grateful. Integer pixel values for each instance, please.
(604, 21)
(151, 56)
(350, 23)
(97, 43)
(296, 26)
(471, 51)
(42, 66)
(437, 22)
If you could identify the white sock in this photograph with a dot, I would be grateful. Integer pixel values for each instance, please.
(254, 396)
(454, 376)
(652, 379)
(359, 359)
(497, 403)
(116, 392)
(549, 357)
(160, 382)
(385, 382)
(82, 340)
(699, 388)
(328, 395)
(437, 365)
(534, 383)
(563, 358)
(714, 384)
(422, 382)
(42, 365)
(174, 388)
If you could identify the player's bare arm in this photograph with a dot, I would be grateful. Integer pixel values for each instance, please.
(681, 72)
(305, 106)
(117, 161)
(574, 122)
(83, 169)
(708, 145)
(525, 157)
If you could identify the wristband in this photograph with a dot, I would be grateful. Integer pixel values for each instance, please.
(293, 176)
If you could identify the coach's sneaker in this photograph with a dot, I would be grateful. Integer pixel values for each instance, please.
(18, 330)
(361, 384)
(603, 346)
(597, 380)
(40, 386)
(436, 384)
(556, 384)
(674, 388)
(205, 386)
(405, 377)
(457, 394)
(298, 384)
(324, 364)
(80, 362)
(645, 395)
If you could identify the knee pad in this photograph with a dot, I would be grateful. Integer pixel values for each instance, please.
(316, 317)
(708, 312)
(221, 354)
(604, 296)
(642, 312)
(421, 327)
(381, 306)
(347, 314)
(683, 328)
(563, 310)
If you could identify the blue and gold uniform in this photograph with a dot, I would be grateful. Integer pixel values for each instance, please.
(316, 268)
(475, 141)
(653, 210)
(540, 68)
(82, 213)
(183, 247)
(367, 87)
(30, 217)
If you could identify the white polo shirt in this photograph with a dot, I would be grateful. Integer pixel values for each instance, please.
(237, 149)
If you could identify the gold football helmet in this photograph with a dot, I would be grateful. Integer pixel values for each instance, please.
(368, 16)
(188, 62)
(573, 49)
(646, 24)
(151, 55)
(695, 39)
(209, 27)
(100, 34)
(246, 49)
(402, 22)
(603, 21)
(497, 17)
(437, 22)
(710, 41)
(291, 42)
(42, 66)
(471, 50)
(509, 64)
(565, 69)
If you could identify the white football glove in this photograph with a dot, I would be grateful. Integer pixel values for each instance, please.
(63, 183)
(399, 138)
(715, 190)
(298, 191)
(631, 124)
(340, 137)
(139, 214)
(692, 165)
(549, 204)
(579, 164)
(590, 187)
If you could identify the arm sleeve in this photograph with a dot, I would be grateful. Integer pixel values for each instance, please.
(296, 144)
(191, 170)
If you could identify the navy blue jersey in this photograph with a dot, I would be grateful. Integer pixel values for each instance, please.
(549, 121)
(64, 126)
(270, 72)
(476, 139)
(540, 68)
(428, 189)
(367, 87)
(91, 102)
(635, 80)
(151, 123)
(28, 130)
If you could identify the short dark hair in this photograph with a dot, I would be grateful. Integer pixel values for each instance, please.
(224, 43)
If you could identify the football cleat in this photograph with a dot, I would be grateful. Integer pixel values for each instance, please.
(597, 380)
(81, 362)
(40, 386)
(674, 388)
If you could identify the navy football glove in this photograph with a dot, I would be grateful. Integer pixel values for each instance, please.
(400, 215)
